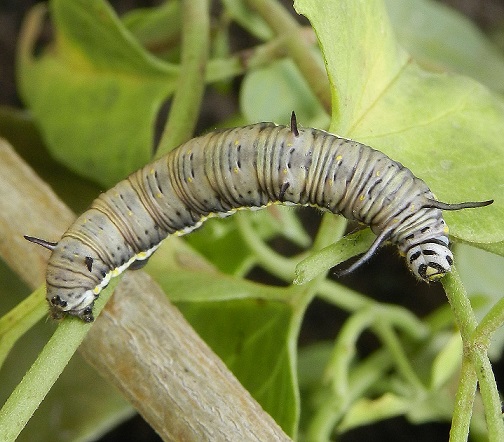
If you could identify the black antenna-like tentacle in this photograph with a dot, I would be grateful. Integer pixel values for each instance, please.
(293, 124)
(41, 242)
(380, 239)
(458, 206)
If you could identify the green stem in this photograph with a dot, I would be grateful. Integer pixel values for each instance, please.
(362, 377)
(343, 297)
(491, 322)
(310, 66)
(464, 401)
(331, 229)
(191, 84)
(44, 372)
(333, 254)
(476, 350)
(270, 260)
(489, 392)
(337, 370)
(20, 319)
(460, 304)
(466, 322)
(389, 338)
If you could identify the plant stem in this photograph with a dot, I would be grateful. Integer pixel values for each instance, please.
(489, 392)
(333, 254)
(310, 66)
(272, 261)
(460, 304)
(20, 319)
(191, 84)
(44, 372)
(464, 400)
(343, 297)
(384, 330)
(476, 351)
(491, 322)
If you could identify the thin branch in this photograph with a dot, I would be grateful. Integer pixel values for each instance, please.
(184, 111)
(310, 66)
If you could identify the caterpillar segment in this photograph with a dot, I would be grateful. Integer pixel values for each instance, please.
(246, 167)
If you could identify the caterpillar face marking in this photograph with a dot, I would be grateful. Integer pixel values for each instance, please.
(248, 167)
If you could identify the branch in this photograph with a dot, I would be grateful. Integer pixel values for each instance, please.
(140, 342)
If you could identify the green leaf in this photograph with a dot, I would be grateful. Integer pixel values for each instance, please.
(361, 54)
(255, 340)
(190, 286)
(432, 32)
(367, 411)
(96, 93)
(158, 28)
(447, 129)
(273, 92)
(19, 128)
(238, 11)
(447, 362)
(251, 326)
(219, 239)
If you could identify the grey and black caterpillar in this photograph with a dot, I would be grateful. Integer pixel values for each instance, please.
(246, 167)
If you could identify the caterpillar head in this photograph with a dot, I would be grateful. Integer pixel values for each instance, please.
(430, 261)
(60, 304)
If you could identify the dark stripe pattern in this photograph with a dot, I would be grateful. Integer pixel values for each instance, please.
(250, 166)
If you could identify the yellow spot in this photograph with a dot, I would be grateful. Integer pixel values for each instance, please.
(152, 171)
(130, 213)
(339, 158)
(189, 179)
(289, 144)
(141, 255)
(433, 274)
(378, 173)
(236, 142)
(96, 290)
(361, 198)
(115, 273)
(446, 230)
(236, 170)
(159, 195)
(285, 171)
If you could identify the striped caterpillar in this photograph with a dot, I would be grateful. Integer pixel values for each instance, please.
(246, 167)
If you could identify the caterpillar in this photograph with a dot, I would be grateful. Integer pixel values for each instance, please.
(246, 167)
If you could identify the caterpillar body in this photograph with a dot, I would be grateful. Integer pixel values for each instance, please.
(247, 167)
